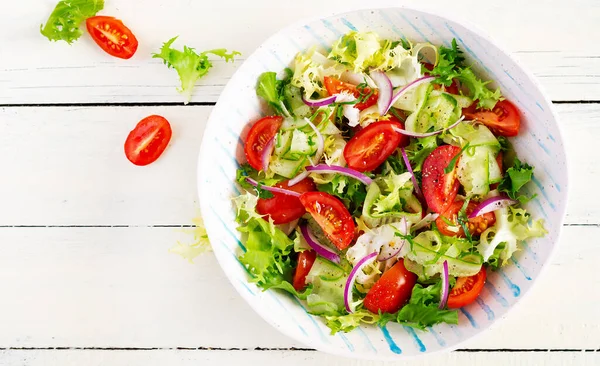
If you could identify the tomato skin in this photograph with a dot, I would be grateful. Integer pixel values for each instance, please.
(306, 259)
(336, 86)
(112, 36)
(476, 225)
(392, 290)
(332, 216)
(440, 188)
(259, 135)
(369, 148)
(504, 119)
(147, 141)
(283, 208)
(466, 290)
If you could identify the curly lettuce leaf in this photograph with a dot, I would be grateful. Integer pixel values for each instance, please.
(450, 67)
(348, 322)
(351, 191)
(63, 24)
(310, 68)
(190, 66)
(515, 178)
(422, 308)
(198, 246)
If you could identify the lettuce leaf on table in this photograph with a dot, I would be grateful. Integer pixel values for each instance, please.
(63, 24)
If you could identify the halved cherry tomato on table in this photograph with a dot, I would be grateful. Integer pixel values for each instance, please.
(503, 119)
(476, 225)
(392, 290)
(440, 188)
(283, 208)
(369, 148)
(336, 86)
(466, 290)
(306, 259)
(147, 141)
(332, 216)
(259, 135)
(112, 36)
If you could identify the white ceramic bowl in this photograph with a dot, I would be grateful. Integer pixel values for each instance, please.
(539, 143)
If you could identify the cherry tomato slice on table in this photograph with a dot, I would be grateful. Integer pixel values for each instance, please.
(503, 119)
(306, 259)
(112, 36)
(369, 148)
(392, 290)
(440, 188)
(476, 225)
(147, 141)
(336, 86)
(283, 208)
(466, 290)
(332, 216)
(259, 135)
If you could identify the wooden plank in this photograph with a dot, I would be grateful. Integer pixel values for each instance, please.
(119, 287)
(561, 56)
(88, 181)
(277, 358)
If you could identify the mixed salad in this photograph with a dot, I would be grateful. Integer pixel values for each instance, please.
(382, 186)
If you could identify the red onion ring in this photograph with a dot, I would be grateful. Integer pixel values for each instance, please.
(412, 173)
(427, 134)
(387, 252)
(324, 168)
(297, 179)
(428, 219)
(408, 87)
(273, 189)
(445, 286)
(266, 155)
(319, 248)
(386, 91)
(366, 260)
(492, 204)
(319, 102)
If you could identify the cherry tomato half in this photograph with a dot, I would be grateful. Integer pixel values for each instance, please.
(369, 148)
(336, 86)
(476, 225)
(147, 141)
(440, 188)
(392, 290)
(306, 259)
(259, 135)
(466, 290)
(503, 119)
(283, 208)
(332, 216)
(112, 36)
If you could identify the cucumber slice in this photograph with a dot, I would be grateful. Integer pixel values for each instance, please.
(283, 141)
(473, 170)
(439, 112)
(421, 94)
(494, 172)
(328, 280)
(301, 145)
(286, 168)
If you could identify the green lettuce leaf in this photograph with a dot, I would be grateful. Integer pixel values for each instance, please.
(190, 66)
(348, 322)
(63, 24)
(422, 308)
(351, 191)
(515, 178)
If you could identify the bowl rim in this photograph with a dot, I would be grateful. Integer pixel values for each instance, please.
(261, 311)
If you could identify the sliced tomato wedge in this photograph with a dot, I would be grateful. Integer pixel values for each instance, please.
(306, 259)
(332, 216)
(369, 148)
(336, 86)
(504, 119)
(259, 135)
(440, 188)
(283, 208)
(466, 290)
(147, 141)
(476, 225)
(112, 36)
(392, 290)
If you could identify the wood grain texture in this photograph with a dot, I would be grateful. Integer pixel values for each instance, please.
(88, 181)
(277, 358)
(559, 53)
(119, 287)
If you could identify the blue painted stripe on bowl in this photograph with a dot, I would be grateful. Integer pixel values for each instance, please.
(312, 319)
(390, 341)
(470, 318)
(347, 342)
(437, 336)
(543, 192)
(518, 85)
(274, 296)
(239, 243)
(235, 256)
(520, 267)
(331, 27)
(516, 290)
(367, 339)
(456, 330)
(243, 283)
(529, 251)
(496, 294)
(294, 43)
(388, 20)
(317, 37)
(348, 24)
(414, 27)
(551, 137)
(488, 311)
(435, 31)
(417, 341)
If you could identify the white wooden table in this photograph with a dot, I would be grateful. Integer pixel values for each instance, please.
(85, 273)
